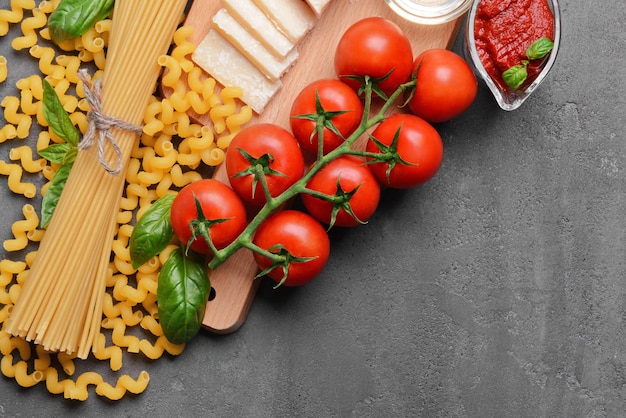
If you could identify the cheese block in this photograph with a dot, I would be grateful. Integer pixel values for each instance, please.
(220, 59)
(293, 17)
(258, 24)
(318, 6)
(249, 46)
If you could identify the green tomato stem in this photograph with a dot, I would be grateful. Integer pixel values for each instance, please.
(244, 240)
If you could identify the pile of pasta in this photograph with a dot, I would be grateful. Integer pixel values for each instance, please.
(173, 151)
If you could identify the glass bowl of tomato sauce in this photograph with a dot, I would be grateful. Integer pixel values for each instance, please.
(512, 45)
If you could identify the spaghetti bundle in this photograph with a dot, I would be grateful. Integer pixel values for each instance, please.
(60, 305)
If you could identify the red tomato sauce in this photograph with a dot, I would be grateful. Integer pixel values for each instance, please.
(504, 29)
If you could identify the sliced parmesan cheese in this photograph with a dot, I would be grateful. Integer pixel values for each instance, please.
(318, 6)
(293, 17)
(249, 46)
(227, 65)
(258, 24)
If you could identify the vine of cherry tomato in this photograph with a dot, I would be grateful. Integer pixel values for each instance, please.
(265, 164)
(265, 161)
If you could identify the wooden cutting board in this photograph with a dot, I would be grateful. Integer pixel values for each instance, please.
(233, 282)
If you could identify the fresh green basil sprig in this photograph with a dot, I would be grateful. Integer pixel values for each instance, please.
(63, 153)
(515, 76)
(72, 18)
(183, 282)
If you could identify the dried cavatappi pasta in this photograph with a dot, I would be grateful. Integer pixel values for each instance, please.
(4, 72)
(172, 152)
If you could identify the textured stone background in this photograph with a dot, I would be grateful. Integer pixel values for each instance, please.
(496, 290)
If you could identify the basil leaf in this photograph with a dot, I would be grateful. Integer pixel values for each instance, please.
(182, 293)
(540, 48)
(56, 153)
(72, 18)
(515, 76)
(57, 118)
(70, 156)
(152, 232)
(53, 193)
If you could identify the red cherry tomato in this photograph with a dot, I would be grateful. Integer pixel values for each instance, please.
(375, 47)
(446, 86)
(302, 237)
(359, 192)
(418, 147)
(222, 208)
(342, 108)
(271, 147)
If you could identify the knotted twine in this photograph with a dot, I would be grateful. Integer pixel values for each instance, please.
(100, 125)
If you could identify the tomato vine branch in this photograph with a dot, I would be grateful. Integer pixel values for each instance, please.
(244, 240)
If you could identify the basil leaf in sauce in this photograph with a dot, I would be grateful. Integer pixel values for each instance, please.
(152, 232)
(56, 116)
(539, 49)
(53, 194)
(72, 18)
(182, 293)
(515, 76)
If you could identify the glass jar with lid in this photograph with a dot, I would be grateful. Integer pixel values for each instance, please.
(429, 12)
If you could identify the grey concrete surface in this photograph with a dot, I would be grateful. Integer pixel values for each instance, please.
(496, 290)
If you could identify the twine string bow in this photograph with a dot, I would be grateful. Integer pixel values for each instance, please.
(100, 125)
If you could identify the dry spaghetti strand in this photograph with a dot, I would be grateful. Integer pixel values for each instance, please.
(60, 305)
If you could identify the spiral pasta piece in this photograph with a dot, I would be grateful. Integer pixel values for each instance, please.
(4, 71)
(29, 25)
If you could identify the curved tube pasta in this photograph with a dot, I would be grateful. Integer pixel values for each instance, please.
(14, 173)
(29, 38)
(7, 132)
(14, 14)
(71, 64)
(103, 27)
(67, 363)
(78, 391)
(24, 155)
(19, 371)
(92, 41)
(118, 336)
(10, 267)
(46, 58)
(161, 345)
(172, 72)
(204, 86)
(29, 107)
(4, 72)
(213, 157)
(151, 124)
(183, 48)
(21, 121)
(124, 383)
(112, 353)
(20, 229)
